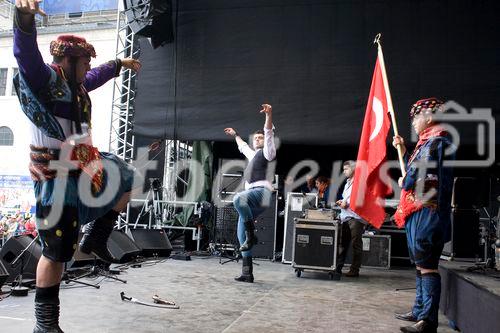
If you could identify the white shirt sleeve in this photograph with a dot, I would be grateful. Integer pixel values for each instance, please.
(247, 151)
(269, 148)
(346, 196)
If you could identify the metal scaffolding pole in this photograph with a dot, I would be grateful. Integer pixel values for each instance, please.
(121, 141)
(177, 155)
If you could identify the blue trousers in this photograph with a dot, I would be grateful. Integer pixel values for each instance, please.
(417, 307)
(425, 233)
(59, 237)
(250, 204)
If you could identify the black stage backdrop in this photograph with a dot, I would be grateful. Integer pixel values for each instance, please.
(313, 61)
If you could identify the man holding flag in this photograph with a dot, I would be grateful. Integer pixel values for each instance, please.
(425, 203)
(424, 209)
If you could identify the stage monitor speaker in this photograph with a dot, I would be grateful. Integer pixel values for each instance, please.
(81, 259)
(4, 274)
(152, 242)
(122, 247)
(12, 248)
(464, 241)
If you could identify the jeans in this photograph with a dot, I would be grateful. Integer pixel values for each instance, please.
(250, 204)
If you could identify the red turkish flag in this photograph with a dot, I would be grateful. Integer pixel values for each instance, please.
(368, 189)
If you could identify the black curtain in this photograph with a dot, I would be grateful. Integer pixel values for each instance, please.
(313, 61)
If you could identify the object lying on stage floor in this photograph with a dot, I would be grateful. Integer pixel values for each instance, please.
(157, 302)
(376, 251)
(295, 206)
(315, 245)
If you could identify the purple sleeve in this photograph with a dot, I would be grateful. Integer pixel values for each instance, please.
(28, 57)
(98, 76)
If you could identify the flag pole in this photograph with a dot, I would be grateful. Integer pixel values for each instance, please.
(389, 101)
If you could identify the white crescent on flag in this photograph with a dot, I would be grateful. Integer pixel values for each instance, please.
(378, 110)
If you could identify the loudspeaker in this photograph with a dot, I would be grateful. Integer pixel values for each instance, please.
(230, 181)
(152, 242)
(464, 197)
(122, 247)
(81, 259)
(4, 274)
(151, 18)
(12, 248)
(226, 224)
(464, 241)
(265, 230)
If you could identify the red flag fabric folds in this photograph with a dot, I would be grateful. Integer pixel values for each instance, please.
(368, 189)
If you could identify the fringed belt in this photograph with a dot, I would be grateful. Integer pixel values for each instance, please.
(86, 157)
(40, 158)
(410, 203)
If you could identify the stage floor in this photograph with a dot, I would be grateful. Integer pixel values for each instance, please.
(488, 280)
(210, 301)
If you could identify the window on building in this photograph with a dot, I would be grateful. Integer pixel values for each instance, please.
(3, 81)
(6, 136)
(14, 73)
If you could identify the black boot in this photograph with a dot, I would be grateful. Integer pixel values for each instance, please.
(251, 239)
(246, 271)
(421, 326)
(47, 310)
(95, 237)
(408, 316)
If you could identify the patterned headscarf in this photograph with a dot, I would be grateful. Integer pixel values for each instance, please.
(427, 105)
(72, 46)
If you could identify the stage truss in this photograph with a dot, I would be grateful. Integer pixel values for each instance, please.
(122, 140)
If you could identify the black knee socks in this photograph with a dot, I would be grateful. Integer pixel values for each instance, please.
(47, 295)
